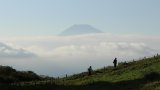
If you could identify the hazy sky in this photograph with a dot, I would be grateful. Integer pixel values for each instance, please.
(50, 17)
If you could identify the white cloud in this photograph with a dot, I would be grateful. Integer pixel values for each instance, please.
(50, 46)
(9, 52)
(103, 49)
(71, 54)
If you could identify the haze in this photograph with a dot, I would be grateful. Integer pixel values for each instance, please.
(31, 33)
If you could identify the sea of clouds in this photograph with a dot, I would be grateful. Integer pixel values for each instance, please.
(60, 55)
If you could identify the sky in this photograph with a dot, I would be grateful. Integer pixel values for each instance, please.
(50, 17)
(30, 40)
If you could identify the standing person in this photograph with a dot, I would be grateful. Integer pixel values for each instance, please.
(90, 70)
(115, 62)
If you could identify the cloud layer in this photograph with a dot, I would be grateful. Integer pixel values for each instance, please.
(9, 52)
(58, 55)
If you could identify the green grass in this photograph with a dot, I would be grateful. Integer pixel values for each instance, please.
(142, 74)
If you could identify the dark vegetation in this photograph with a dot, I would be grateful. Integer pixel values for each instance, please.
(10, 75)
(143, 74)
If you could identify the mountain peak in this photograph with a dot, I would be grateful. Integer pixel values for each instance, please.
(79, 29)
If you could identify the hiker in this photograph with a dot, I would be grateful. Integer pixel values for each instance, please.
(90, 70)
(115, 62)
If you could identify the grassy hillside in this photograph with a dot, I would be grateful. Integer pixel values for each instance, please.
(142, 74)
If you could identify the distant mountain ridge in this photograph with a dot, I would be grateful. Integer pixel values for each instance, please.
(79, 29)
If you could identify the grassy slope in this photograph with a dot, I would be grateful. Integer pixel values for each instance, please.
(134, 70)
(136, 75)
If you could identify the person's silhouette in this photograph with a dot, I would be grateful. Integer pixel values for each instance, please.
(115, 62)
(90, 70)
